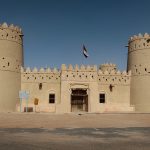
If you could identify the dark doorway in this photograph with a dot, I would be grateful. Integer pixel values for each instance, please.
(79, 100)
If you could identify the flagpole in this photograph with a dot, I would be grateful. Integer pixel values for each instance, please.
(82, 62)
(82, 58)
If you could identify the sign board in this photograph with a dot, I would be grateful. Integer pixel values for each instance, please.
(23, 94)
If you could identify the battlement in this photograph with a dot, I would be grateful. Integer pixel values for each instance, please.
(79, 74)
(113, 72)
(41, 70)
(114, 77)
(108, 67)
(40, 76)
(11, 33)
(79, 68)
(11, 27)
(139, 36)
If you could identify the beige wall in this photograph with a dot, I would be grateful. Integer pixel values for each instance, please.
(50, 81)
(81, 78)
(84, 77)
(117, 99)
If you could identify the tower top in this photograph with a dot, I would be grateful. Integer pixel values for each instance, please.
(11, 27)
(11, 33)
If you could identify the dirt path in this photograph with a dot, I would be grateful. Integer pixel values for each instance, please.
(45, 120)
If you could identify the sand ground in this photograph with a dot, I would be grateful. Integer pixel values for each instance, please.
(44, 131)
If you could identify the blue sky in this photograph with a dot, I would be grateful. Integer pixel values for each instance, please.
(55, 30)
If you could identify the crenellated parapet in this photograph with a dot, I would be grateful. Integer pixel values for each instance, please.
(79, 73)
(40, 75)
(139, 36)
(139, 42)
(76, 73)
(78, 68)
(11, 33)
(114, 77)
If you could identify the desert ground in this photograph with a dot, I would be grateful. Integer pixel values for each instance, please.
(44, 131)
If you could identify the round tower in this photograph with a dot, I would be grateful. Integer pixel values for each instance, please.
(139, 64)
(11, 60)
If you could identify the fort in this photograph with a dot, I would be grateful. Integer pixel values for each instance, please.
(93, 89)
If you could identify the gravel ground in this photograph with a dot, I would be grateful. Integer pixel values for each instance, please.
(20, 131)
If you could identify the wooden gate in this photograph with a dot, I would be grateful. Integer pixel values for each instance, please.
(79, 100)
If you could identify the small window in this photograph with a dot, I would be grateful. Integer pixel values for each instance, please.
(102, 98)
(40, 86)
(136, 70)
(51, 98)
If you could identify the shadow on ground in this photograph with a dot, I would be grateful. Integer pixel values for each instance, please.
(132, 138)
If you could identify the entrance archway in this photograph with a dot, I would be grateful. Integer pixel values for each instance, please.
(79, 100)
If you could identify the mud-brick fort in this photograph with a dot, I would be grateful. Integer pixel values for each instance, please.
(93, 89)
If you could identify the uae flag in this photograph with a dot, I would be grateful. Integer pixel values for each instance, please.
(85, 53)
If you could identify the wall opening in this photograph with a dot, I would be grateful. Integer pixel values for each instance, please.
(51, 98)
(28, 109)
(40, 86)
(102, 98)
(79, 100)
